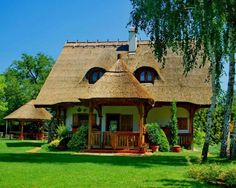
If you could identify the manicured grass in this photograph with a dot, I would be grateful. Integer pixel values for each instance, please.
(19, 168)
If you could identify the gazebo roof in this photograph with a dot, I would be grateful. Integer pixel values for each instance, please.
(28, 112)
(119, 83)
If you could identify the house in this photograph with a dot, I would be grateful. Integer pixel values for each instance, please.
(117, 87)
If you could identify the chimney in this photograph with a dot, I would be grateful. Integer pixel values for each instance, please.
(132, 40)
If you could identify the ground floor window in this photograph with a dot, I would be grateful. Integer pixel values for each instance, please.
(80, 119)
(183, 123)
(119, 122)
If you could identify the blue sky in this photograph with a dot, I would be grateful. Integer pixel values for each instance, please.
(33, 26)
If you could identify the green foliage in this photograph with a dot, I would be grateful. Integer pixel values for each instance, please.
(53, 145)
(3, 103)
(62, 131)
(79, 139)
(157, 136)
(213, 174)
(229, 177)
(24, 79)
(174, 125)
(200, 123)
(153, 134)
(164, 146)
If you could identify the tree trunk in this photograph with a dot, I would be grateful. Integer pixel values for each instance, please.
(233, 144)
(210, 113)
(228, 105)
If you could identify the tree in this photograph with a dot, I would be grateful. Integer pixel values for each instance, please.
(3, 104)
(193, 28)
(24, 79)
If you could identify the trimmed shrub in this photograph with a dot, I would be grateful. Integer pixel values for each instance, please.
(153, 134)
(79, 140)
(164, 146)
(156, 136)
(174, 137)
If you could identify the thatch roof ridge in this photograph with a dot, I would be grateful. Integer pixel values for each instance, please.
(29, 112)
(102, 43)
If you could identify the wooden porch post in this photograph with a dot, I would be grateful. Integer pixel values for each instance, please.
(21, 137)
(99, 111)
(90, 124)
(141, 124)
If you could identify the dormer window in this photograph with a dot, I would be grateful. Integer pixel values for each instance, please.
(146, 75)
(94, 74)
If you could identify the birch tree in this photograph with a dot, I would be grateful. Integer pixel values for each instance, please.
(197, 29)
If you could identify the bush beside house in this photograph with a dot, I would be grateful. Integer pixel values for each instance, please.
(156, 136)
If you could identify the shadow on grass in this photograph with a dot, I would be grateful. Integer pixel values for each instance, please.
(24, 144)
(63, 158)
(182, 183)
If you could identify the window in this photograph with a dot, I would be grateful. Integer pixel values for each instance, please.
(183, 123)
(82, 119)
(119, 122)
(146, 75)
(95, 75)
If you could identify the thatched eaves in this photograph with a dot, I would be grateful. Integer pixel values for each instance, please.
(28, 112)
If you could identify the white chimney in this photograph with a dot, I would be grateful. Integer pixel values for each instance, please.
(132, 40)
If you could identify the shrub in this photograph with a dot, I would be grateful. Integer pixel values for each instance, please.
(174, 138)
(153, 134)
(164, 146)
(229, 177)
(53, 145)
(213, 174)
(156, 136)
(62, 131)
(79, 139)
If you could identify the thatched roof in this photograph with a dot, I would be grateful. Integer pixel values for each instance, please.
(119, 83)
(28, 112)
(67, 83)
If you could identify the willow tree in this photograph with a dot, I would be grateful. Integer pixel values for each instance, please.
(197, 29)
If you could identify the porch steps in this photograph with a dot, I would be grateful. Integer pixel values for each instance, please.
(131, 151)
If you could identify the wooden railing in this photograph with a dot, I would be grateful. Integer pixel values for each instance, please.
(120, 140)
(96, 139)
(185, 139)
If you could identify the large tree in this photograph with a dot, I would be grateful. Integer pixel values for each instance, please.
(197, 29)
(24, 79)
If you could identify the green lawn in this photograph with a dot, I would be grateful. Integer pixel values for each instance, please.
(18, 168)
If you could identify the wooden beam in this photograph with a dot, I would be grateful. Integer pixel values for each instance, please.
(141, 124)
(21, 137)
(90, 124)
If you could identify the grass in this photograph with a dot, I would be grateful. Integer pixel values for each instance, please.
(18, 168)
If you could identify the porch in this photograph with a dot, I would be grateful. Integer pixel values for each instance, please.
(124, 140)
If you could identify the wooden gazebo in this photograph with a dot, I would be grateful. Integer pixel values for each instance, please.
(117, 87)
(28, 113)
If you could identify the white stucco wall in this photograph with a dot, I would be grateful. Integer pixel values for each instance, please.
(162, 116)
(128, 110)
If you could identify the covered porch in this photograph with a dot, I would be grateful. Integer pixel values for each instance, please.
(117, 87)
